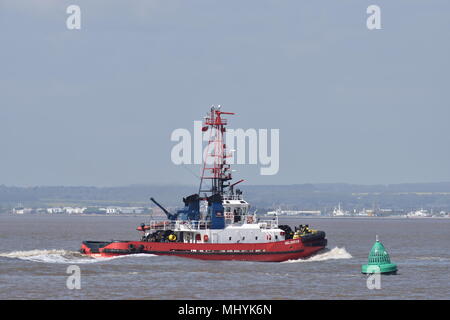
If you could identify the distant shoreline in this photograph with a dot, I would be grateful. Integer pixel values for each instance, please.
(263, 217)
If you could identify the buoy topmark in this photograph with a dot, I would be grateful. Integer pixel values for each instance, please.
(379, 261)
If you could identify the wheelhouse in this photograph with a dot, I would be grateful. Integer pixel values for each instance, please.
(236, 209)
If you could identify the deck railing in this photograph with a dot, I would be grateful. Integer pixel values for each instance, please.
(268, 224)
(179, 224)
(232, 197)
(202, 225)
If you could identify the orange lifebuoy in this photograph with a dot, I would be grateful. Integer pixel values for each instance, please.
(205, 238)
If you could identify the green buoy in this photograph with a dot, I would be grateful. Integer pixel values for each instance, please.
(379, 261)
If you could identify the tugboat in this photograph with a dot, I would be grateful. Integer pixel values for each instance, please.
(225, 229)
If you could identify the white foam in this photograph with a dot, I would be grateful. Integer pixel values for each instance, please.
(61, 256)
(326, 254)
(433, 258)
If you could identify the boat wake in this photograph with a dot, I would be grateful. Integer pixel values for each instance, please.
(61, 256)
(326, 254)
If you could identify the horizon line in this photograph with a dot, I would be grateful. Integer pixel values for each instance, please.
(191, 185)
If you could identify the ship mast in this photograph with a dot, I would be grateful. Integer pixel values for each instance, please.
(215, 167)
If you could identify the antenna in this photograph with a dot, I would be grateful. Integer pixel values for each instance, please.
(216, 169)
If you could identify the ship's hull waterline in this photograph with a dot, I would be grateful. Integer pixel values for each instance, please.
(265, 252)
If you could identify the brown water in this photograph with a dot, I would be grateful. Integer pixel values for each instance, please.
(35, 252)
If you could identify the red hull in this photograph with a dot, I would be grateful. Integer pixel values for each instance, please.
(268, 252)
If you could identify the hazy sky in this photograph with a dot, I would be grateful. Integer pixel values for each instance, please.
(97, 106)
